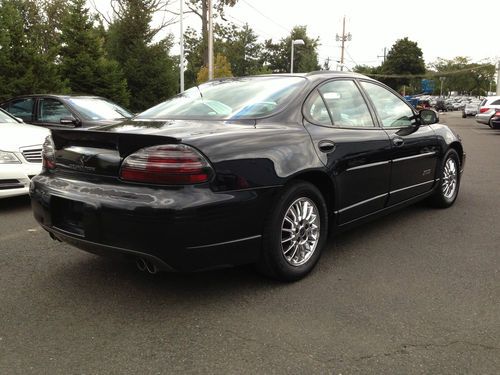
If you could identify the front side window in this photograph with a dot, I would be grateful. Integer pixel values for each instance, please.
(22, 108)
(52, 110)
(229, 99)
(392, 110)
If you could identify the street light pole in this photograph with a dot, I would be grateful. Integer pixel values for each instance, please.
(295, 42)
(442, 80)
(498, 78)
(181, 54)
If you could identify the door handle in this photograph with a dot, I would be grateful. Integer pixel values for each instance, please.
(398, 141)
(326, 146)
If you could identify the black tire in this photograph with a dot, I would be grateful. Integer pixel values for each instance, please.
(273, 262)
(440, 199)
(490, 123)
(464, 115)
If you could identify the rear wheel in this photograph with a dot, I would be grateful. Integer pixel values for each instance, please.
(447, 191)
(295, 233)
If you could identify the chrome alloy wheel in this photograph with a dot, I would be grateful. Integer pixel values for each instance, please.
(450, 178)
(300, 231)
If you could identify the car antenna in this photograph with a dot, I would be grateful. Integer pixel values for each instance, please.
(198, 87)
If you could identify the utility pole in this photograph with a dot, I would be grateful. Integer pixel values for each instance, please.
(498, 78)
(344, 38)
(442, 80)
(210, 42)
(181, 54)
(385, 54)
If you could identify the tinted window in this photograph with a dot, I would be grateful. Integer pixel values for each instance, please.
(240, 98)
(346, 104)
(392, 110)
(496, 102)
(52, 110)
(22, 108)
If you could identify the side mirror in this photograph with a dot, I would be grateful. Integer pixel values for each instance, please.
(428, 117)
(69, 121)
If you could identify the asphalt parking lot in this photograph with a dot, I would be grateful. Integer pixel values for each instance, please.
(415, 292)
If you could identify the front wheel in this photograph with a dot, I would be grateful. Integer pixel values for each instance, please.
(295, 233)
(447, 191)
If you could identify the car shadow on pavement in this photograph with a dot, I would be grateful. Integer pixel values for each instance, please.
(92, 276)
(14, 203)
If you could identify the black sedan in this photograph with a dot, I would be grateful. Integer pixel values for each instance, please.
(66, 111)
(245, 170)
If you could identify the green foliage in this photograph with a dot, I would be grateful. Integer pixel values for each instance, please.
(277, 55)
(463, 76)
(150, 71)
(405, 58)
(83, 60)
(29, 45)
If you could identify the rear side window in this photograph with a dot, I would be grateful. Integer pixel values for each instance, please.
(392, 110)
(22, 108)
(496, 102)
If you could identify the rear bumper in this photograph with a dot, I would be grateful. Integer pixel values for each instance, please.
(186, 229)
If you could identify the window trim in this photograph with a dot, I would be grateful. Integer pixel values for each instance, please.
(307, 117)
(381, 124)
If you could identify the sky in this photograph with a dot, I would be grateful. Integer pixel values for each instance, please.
(442, 28)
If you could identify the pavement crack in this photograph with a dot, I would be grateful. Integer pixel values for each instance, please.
(451, 343)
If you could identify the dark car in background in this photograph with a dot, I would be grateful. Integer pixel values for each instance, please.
(66, 111)
(245, 170)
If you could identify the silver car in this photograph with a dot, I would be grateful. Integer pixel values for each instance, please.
(487, 110)
(470, 109)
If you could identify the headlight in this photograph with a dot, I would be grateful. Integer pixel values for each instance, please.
(8, 158)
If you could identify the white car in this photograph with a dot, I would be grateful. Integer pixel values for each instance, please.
(487, 110)
(20, 154)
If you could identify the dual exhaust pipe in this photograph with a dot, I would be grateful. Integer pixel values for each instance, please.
(145, 265)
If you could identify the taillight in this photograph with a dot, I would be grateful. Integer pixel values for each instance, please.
(49, 153)
(482, 110)
(166, 165)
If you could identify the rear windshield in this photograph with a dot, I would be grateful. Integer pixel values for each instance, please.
(238, 98)
(6, 118)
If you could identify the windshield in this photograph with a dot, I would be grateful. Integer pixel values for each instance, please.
(4, 117)
(99, 109)
(240, 98)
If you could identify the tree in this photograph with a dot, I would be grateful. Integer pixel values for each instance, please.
(200, 8)
(222, 69)
(405, 59)
(29, 47)
(83, 60)
(150, 71)
(240, 46)
(277, 55)
(464, 76)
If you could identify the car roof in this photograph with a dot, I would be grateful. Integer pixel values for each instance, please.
(56, 96)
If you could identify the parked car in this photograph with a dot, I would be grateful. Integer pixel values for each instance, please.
(487, 110)
(66, 111)
(470, 109)
(440, 105)
(245, 170)
(20, 154)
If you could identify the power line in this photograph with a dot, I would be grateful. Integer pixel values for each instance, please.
(263, 15)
